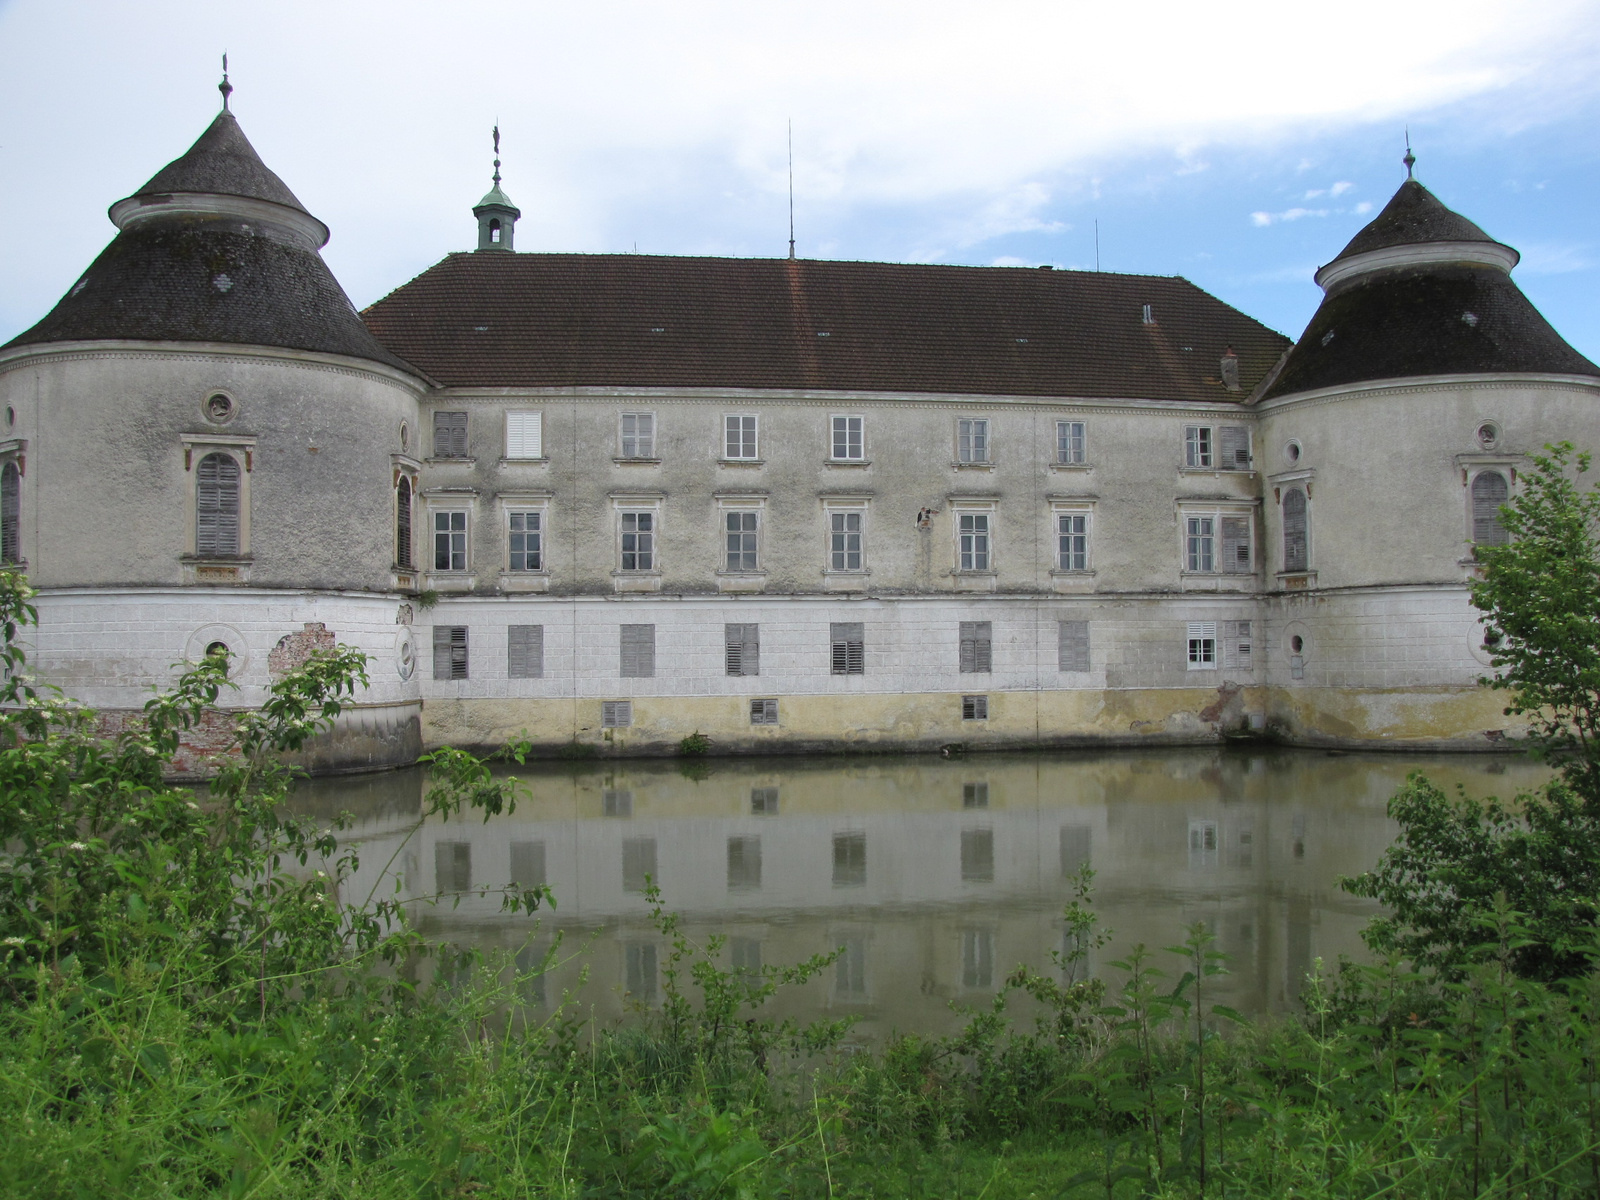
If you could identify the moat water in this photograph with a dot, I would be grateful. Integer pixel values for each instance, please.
(936, 876)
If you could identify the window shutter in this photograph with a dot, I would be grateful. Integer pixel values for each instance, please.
(525, 651)
(638, 651)
(1295, 557)
(1236, 545)
(1238, 646)
(1489, 492)
(763, 712)
(10, 514)
(216, 528)
(450, 652)
(976, 642)
(743, 648)
(1233, 445)
(402, 534)
(524, 435)
(849, 651)
(616, 713)
(1073, 645)
(449, 435)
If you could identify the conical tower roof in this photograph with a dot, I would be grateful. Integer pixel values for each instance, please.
(1413, 217)
(222, 162)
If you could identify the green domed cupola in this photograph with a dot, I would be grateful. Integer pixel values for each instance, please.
(497, 216)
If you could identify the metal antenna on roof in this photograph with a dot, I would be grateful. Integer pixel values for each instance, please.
(497, 153)
(225, 87)
(791, 187)
(1097, 243)
(1410, 159)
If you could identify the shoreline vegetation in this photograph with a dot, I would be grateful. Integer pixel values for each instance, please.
(188, 1008)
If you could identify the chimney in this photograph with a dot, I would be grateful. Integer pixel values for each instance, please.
(1230, 370)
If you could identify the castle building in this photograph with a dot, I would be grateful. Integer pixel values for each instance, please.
(615, 500)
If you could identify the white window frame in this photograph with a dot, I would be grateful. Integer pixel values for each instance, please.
(1201, 646)
(1216, 511)
(754, 456)
(635, 511)
(741, 503)
(1078, 510)
(436, 510)
(832, 509)
(622, 437)
(195, 447)
(966, 557)
(1081, 449)
(970, 431)
(517, 447)
(1202, 447)
(741, 511)
(859, 458)
(537, 503)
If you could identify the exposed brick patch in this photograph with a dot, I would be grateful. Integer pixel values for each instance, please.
(196, 746)
(1225, 696)
(293, 649)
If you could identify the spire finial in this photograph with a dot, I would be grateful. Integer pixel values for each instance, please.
(225, 87)
(497, 153)
(1410, 159)
(791, 187)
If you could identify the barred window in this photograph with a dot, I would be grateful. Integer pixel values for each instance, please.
(450, 652)
(848, 640)
(216, 527)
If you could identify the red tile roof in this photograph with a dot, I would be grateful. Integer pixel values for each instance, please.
(497, 319)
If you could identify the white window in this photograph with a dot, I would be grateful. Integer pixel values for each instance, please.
(848, 443)
(1200, 543)
(638, 539)
(740, 530)
(972, 541)
(524, 435)
(638, 435)
(1072, 541)
(1202, 645)
(1070, 443)
(1218, 543)
(739, 438)
(1220, 448)
(844, 540)
(450, 540)
(526, 538)
(972, 440)
(1197, 446)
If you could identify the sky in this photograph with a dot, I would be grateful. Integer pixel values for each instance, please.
(1238, 143)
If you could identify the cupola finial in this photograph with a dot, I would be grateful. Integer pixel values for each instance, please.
(497, 153)
(497, 216)
(1410, 159)
(225, 87)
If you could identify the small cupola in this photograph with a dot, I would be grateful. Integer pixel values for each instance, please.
(497, 216)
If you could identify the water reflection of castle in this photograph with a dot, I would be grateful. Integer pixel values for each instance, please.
(937, 877)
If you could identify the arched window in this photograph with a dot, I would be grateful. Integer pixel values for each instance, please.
(216, 509)
(402, 528)
(1489, 492)
(10, 514)
(1294, 531)
(494, 232)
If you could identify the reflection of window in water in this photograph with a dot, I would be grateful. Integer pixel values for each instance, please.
(744, 863)
(974, 795)
(764, 801)
(1074, 849)
(977, 856)
(452, 866)
(1297, 955)
(850, 971)
(1247, 850)
(638, 863)
(1077, 950)
(617, 803)
(1298, 831)
(1202, 843)
(639, 970)
(530, 973)
(527, 864)
(745, 953)
(977, 958)
(849, 859)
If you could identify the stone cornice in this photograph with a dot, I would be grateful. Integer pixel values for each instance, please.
(1499, 381)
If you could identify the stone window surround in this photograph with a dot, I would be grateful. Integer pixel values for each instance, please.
(448, 499)
(1072, 506)
(404, 466)
(242, 450)
(1303, 478)
(961, 506)
(727, 502)
(15, 450)
(845, 503)
(1207, 506)
(637, 581)
(1471, 466)
(524, 501)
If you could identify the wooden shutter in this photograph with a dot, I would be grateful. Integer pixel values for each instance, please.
(849, 647)
(743, 648)
(524, 435)
(1238, 648)
(216, 528)
(976, 643)
(1295, 557)
(525, 651)
(1073, 645)
(402, 529)
(449, 435)
(1236, 545)
(10, 514)
(638, 651)
(764, 712)
(614, 714)
(450, 652)
(1489, 492)
(1233, 444)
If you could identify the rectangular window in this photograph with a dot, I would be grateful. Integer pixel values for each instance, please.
(744, 864)
(764, 712)
(1237, 645)
(1197, 446)
(638, 435)
(452, 866)
(524, 435)
(1072, 541)
(638, 541)
(844, 541)
(1233, 446)
(972, 440)
(1200, 544)
(638, 652)
(974, 795)
(527, 540)
(450, 541)
(849, 859)
(848, 445)
(977, 638)
(616, 714)
(1236, 546)
(764, 801)
(977, 856)
(977, 958)
(1069, 443)
(616, 802)
(742, 648)
(744, 955)
(449, 435)
(1072, 645)
(1202, 645)
(850, 971)
(974, 708)
(525, 651)
(639, 970)
(848, 640)
(740, 528)
(527, 864)
(973, 532)
(739, 440)
(638, 864)
(449, 651)
(1076, 842)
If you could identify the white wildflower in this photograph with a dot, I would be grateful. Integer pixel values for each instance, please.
(16, 941)
(77, 845)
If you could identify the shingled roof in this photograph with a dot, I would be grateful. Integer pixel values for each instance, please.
(628, 320)
(1414, 216)
(222, 162)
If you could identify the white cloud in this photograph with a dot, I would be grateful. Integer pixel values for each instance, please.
(1556, 258)
(1340, 188)
(1363, 208)
(1292, 214)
